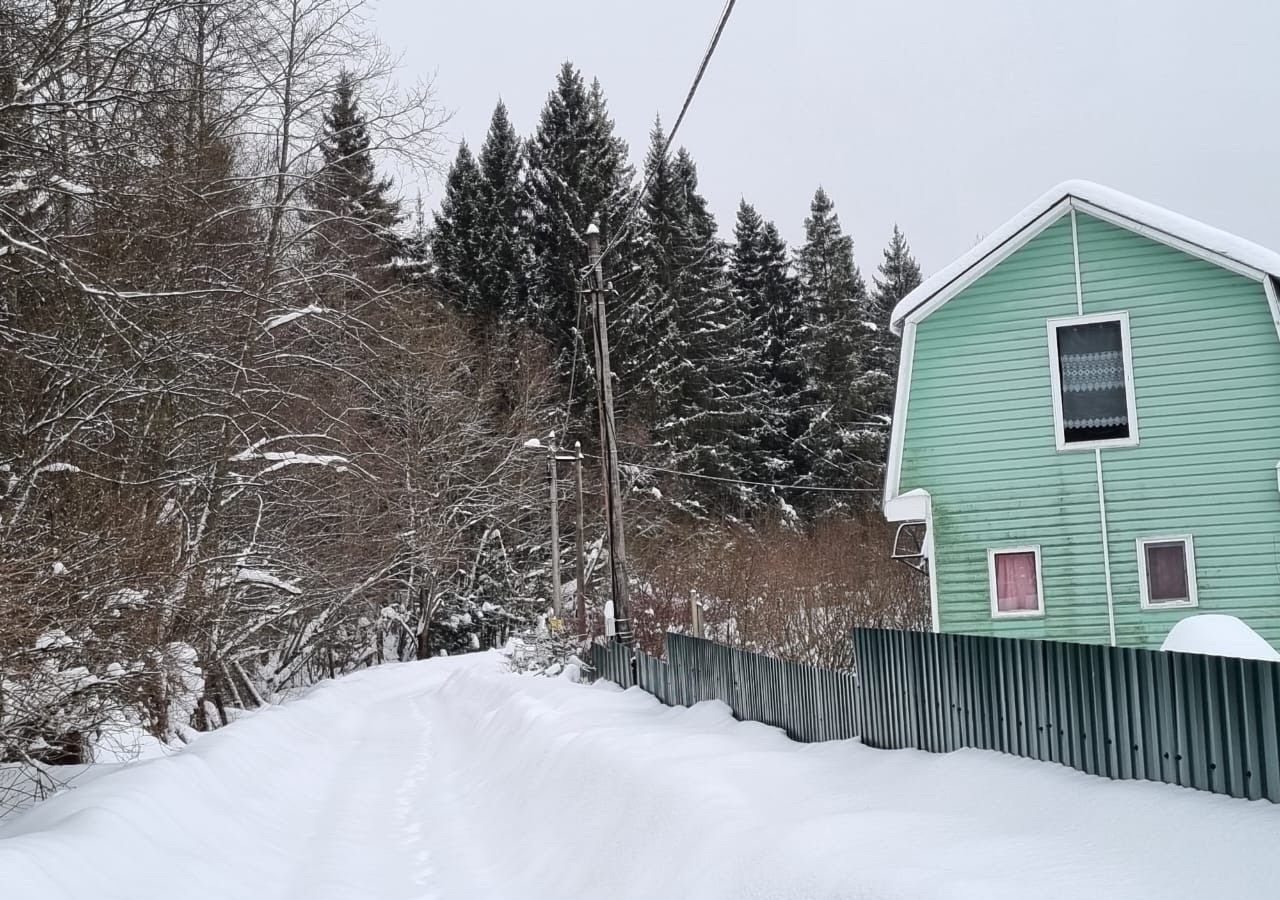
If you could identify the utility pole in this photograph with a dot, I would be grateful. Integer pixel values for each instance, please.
(557, 597)
(581, 562)
(609, 446)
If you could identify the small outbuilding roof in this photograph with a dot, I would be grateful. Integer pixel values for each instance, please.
(1120, 208)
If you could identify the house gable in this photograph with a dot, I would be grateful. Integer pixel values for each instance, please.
(1159, 224)
(979, 431)
(976, 423)
(1073, 199)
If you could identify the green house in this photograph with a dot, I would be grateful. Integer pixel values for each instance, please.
(1087, 426)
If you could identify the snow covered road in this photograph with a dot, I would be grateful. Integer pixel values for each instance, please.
(449, 779)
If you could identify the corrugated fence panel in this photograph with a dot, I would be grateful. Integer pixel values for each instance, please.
(809, 703)
(1205, 722)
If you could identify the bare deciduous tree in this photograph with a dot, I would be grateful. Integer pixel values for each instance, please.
(233, 454)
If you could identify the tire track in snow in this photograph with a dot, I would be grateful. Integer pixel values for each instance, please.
(411, 808)
(455, 823)
(367, 842)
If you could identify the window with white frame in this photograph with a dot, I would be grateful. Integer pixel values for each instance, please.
(1092, 374)
(1167, 571)
(1015, 581)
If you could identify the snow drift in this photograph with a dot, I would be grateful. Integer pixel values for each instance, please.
(1218, 635)
(452, 779)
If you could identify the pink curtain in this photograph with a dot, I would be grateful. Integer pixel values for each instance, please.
(1016, 582)
(1167, 572)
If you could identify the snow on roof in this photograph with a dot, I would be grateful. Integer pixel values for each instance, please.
(913, 506)
(1140, 212)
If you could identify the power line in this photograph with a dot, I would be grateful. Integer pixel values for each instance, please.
(798, 442)
(702, 68)
(621, 228)
(573, 368)
(763, 484)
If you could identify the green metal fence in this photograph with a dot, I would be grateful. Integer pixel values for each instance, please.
(1205, 722)
(809, 703)
(612, 662)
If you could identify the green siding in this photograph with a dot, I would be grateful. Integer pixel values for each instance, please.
(979, 437)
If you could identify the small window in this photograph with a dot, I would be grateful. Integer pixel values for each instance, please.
(1015, 582)
(1092, 382)
(1167, 572)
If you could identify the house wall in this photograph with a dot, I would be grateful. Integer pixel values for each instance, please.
(979, 437)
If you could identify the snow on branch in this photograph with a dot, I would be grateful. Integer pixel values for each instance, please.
(280, 459)
(266, 579)
(66, 186)
(56, 467)
(285, 318)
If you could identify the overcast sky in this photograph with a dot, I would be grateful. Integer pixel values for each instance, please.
(945, 116)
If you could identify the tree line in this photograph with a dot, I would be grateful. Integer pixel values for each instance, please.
(260, 424)
(737, 360)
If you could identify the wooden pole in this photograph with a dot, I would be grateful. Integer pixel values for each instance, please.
(609, 447)
(557, 596)
(581, 561)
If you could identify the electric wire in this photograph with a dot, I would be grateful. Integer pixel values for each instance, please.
(573, 367)
(621, 229)
(620, 232)
(763, 484)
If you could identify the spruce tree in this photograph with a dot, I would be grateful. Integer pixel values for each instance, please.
(786, 327)
(832, 292)
(705, 389)
(458, 242)
(766, 294)
(413, 263)
(577, 171)
(501, 288)
(837, 447)
(645, 333)
(898, 275)
(719, 429)
(745, 260)
(478, 241)
(355, 216)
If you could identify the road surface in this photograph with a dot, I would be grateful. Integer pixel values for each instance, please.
(452, 779)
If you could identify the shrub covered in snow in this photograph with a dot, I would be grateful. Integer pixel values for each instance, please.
(775, 589)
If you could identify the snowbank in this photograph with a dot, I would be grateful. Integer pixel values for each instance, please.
(451, 779)
(241, 813)
(1218, 635)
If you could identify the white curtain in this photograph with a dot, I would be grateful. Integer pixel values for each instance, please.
(1092, 370)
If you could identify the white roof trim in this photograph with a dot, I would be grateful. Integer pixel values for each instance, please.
(1176, 230)
(1273, 301)
(901, 397)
